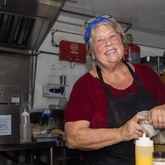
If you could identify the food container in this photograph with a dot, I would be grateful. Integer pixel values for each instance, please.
(149, 127)
(159, 158)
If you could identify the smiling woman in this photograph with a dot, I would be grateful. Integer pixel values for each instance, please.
(90, 30)
(104, 121)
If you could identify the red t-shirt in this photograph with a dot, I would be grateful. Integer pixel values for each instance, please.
(88, 100)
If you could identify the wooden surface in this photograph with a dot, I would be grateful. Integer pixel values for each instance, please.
(159, 147)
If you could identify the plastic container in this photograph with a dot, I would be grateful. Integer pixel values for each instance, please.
(25, 127)
(149, 127)
(159, 158)
(144, 151)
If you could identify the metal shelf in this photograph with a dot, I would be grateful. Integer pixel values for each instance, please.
(157, 62)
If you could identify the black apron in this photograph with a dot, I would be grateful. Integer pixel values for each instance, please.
(120, 110)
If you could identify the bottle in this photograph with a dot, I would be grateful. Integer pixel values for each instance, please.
(144, 151)
(25, 127)
(159, 158)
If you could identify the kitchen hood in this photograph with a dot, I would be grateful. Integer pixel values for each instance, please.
(24, 24)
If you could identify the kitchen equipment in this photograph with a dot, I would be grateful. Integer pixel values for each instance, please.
(9, 114)
(156, 62)
(26, 23)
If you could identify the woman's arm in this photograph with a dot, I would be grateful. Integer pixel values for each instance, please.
(80, 136)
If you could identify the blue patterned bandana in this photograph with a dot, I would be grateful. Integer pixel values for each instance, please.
(93, 24)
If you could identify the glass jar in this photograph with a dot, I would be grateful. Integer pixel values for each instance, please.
(159, 158)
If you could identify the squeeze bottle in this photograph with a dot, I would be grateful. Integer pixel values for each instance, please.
(25, 127)
(144, 151)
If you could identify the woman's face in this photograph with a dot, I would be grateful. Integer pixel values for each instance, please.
(106, 45)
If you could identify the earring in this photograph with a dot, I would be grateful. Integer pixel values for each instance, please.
(93, 64)
(93, 61)
(93, 58)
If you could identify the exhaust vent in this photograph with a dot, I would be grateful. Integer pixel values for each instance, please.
(24, 24)
(15, 31)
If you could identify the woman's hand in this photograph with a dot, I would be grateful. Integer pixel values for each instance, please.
(157, 116)
(131, 129)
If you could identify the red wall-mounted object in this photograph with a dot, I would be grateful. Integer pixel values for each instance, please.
(132, 53)
(72, 51)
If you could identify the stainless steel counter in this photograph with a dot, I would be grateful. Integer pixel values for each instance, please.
(46, 144)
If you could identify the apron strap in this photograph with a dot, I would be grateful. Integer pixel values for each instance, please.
(102, 81)
(138, 82)
(136, 79)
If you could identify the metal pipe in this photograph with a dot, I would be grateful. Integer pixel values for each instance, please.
(18, 51)
(33, 71)
(69, 32)
(158, 65)
(51, 156)
(62, 31)
(69, 23)
(51, 53)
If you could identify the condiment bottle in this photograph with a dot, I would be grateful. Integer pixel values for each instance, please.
(25, 127)
(144, 151)
(159, 158)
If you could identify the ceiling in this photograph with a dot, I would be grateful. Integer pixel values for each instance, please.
(144, 15)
